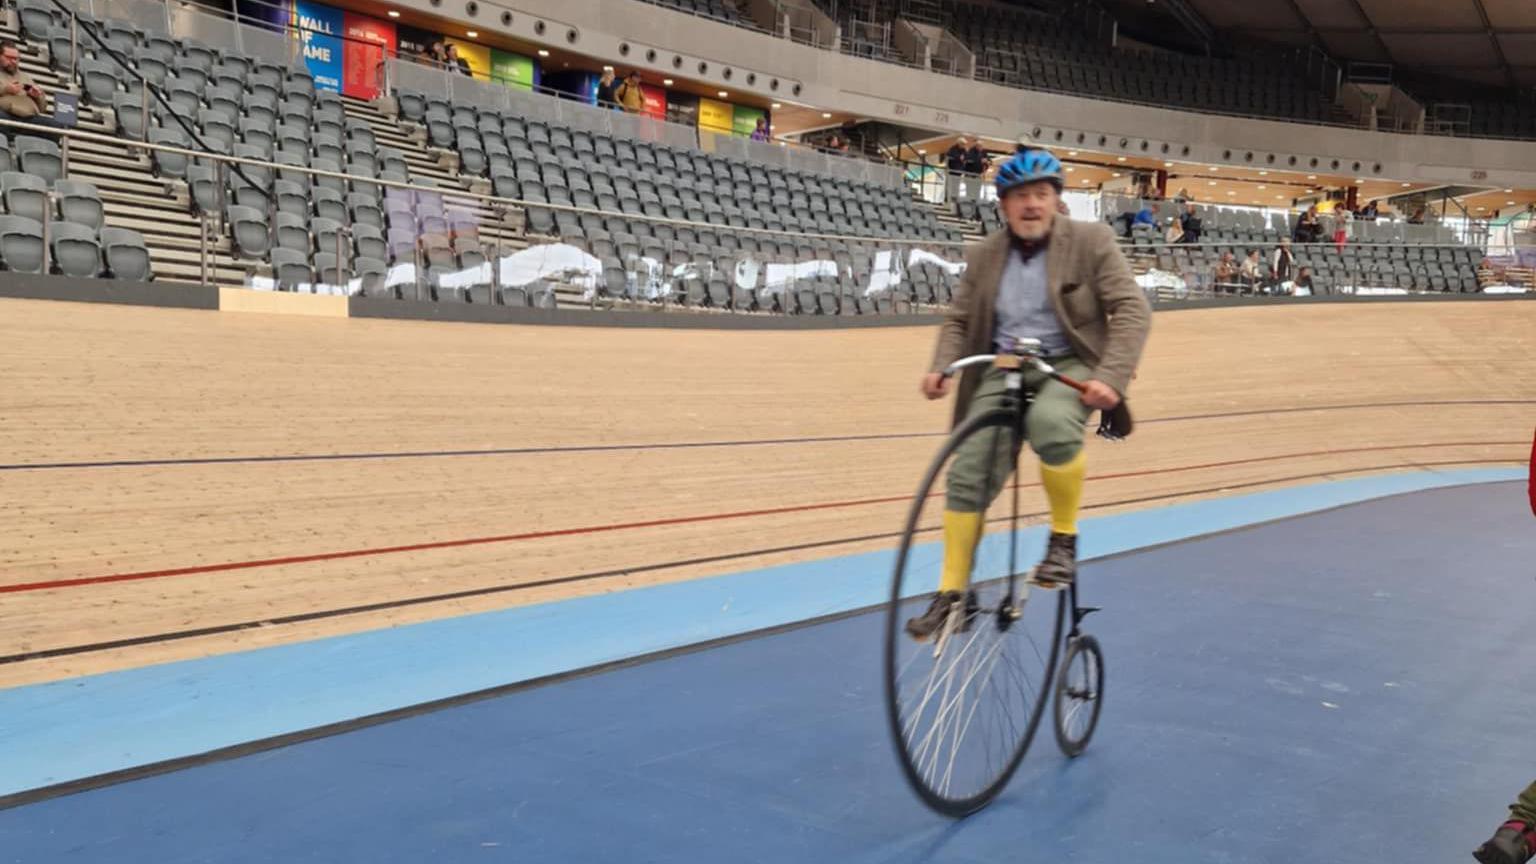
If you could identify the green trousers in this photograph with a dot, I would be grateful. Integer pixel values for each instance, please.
(1054, 427)
(1524, 807)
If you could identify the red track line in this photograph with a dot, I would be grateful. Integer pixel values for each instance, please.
(653, 523)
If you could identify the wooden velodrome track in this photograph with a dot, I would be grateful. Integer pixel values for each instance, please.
(158, 501)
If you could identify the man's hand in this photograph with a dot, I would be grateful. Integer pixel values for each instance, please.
(1097, 394)
(13, 88)
(935, 386)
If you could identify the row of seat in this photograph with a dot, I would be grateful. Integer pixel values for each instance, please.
(72, 249)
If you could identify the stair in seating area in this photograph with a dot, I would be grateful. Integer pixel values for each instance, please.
(161, 208)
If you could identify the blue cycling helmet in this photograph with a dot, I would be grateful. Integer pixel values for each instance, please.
(1029, 166)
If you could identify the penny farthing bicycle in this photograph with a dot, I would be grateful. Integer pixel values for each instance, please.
(964, 705)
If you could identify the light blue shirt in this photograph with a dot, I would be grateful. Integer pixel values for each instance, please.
(1024, 308)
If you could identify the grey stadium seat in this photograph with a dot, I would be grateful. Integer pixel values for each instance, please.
(24, 195)
(248, 227)
(290, 268)
(125, 255)
(38, 156)
(79, 203)
(21, 244)
(76, 251)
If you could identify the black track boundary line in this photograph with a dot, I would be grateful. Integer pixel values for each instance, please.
(277, 742)
(688, 445)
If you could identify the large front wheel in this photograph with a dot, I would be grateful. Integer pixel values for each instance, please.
(964, 700)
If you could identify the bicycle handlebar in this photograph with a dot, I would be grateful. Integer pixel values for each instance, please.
(979, 359)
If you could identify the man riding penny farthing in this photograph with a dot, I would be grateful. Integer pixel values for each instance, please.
(1046, 326)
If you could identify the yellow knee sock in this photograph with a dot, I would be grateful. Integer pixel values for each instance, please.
(961, 531)
(1064, 489)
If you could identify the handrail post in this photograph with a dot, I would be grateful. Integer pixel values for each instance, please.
(202, 247)
(47, 224)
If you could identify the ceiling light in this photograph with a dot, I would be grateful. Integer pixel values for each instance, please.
(1231, 191)
(722, 94)
(1508, 191)
(1121, 158)
(825, 115)
(1070, 169)
(394, 13)
(1406, 185)
(1262, 187)
(1167, 164)
(1213, 168)
(775, 105)
(610, 69)
(1279, 196)
(1210, 182)
(667, 82)
(1359, 180)
(1114, 174)
(1311, 176)
(1071, 152)
(1086, 180)
(922, 152)
(543, 52)
(1509, 203)
(1263, 173)
(471, 33)
(1482, 208)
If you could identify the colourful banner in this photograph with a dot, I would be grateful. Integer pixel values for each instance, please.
(479, 57)
(655, 101)
(744, 120)
(369, 41)
(513, 70)
(716, 116)
(319, 29)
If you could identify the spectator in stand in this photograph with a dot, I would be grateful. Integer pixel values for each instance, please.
(954, 157)
(629, 95)
(456, 63)
(1341, 226)
(1368, 211)
(1175, 232)
(438, 55)
(605, 88)
(1303, 280)
(1282, 265)
(1192, 224)
(1224, 274)
(1308, 229)
(760, 133)
(976, 161)
(1418, 216)
(1248, 276)
(20, 98)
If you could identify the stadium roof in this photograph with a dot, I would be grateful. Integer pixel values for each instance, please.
(1484, 41)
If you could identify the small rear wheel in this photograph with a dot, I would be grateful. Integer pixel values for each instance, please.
(1079, 694)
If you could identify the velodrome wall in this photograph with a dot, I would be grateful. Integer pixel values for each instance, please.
(883, 91)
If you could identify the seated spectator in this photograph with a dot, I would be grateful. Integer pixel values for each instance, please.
(1175, 232)
(20, 98)
(629, 94)
(605, 87)
(1249, 276)
(438, 56)
(1192, 223)
(1130, 221)
(1282, 265)
(760, 133)
(1418, 216)
(1308, 228)
(1224, 275)
(1304, 280)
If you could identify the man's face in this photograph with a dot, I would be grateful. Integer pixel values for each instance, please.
(1030, 209)
(9, 59)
